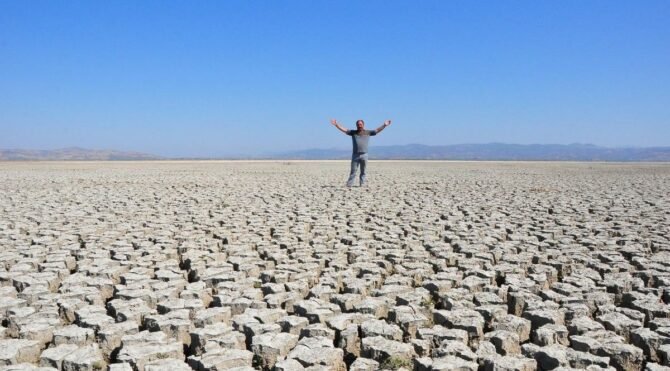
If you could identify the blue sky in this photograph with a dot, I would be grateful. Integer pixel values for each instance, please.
(211, 78)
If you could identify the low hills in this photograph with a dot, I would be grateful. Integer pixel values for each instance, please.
(494, 151)
(73, 154)
(473, 152)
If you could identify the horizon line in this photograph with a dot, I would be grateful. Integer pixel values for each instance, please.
(278, 152)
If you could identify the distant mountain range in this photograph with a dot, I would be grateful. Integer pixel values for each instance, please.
(483, 152)
(72, 154)
(494, 151)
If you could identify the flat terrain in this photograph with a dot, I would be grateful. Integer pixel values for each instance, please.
(249, 265)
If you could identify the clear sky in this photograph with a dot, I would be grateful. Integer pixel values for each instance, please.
(211, 78)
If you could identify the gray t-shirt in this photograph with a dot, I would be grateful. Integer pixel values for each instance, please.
(360, 140)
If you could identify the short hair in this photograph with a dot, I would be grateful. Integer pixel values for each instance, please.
(361, 121)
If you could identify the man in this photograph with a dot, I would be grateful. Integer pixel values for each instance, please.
(359, 138)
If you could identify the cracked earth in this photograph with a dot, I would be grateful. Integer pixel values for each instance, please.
(277, 266)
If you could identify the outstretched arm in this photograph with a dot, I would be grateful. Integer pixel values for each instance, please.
(384, 125)
(338, 126)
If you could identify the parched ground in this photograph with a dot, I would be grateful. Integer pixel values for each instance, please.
(277, 265)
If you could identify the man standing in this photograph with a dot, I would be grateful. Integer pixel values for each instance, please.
(359, 138)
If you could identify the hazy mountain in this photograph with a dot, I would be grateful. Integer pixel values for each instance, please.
(494, 151)
(490, 151)
(72, 153)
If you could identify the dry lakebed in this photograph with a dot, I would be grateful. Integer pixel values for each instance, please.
(201, 265)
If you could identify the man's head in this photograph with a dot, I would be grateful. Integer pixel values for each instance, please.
(360, 124)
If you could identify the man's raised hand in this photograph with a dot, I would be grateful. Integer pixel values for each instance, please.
(337, 125)
(384, 125)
